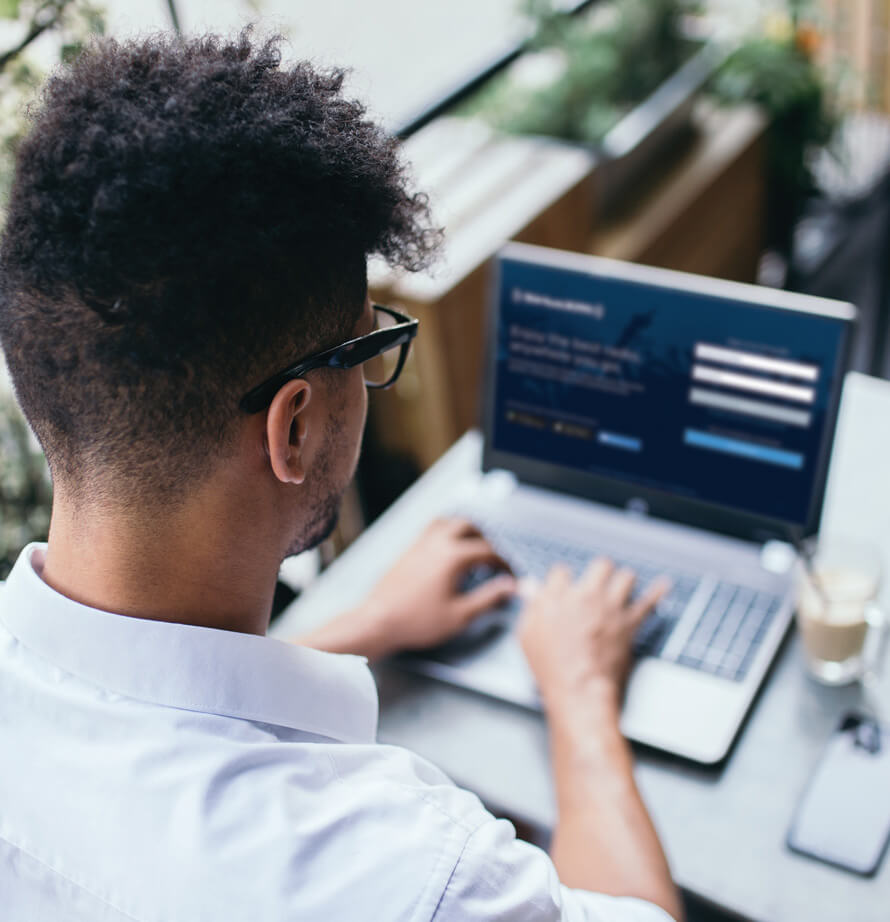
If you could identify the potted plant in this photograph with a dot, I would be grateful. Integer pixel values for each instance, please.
(25, 488)
(620, 75)
(776, 68)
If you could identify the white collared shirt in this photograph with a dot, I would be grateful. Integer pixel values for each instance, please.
(168, 773)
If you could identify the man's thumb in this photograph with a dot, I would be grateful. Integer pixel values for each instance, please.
(490, 594)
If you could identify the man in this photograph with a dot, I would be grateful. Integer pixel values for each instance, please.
(183, 279)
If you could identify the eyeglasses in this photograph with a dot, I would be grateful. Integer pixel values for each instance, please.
(376, 350)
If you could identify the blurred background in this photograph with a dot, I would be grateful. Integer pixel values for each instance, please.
(745, 139)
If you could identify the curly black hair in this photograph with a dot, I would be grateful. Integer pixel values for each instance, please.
(186, 217)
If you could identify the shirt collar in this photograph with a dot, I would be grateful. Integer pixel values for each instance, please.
(193, 668)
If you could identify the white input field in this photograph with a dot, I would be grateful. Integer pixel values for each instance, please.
(750, 383)
(747, 407)
(754, 362)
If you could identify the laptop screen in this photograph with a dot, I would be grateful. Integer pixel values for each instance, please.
(704, 396)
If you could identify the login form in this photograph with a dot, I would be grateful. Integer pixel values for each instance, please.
(707, 397)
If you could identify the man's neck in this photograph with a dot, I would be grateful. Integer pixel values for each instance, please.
(196, 564)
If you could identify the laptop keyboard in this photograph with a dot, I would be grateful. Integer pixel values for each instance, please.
(726, 636)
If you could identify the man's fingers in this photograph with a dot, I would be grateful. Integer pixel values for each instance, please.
(596, 574)
(471, 552)
(620, 586)
(460, 528)
(652, 595)
(490, 594)
(527, 587)
(558, 577)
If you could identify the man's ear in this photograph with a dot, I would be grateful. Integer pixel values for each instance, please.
(287, 429)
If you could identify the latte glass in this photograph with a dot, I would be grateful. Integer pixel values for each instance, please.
(842, 628)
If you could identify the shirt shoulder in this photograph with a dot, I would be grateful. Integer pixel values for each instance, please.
(491, 875)
(256, 792)
(499, 878)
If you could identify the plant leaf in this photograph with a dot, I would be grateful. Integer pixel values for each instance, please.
(9, 9)
(70, 51)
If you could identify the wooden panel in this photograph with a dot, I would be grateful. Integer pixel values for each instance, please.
(702, 214)
(705, 213)
(485, 190)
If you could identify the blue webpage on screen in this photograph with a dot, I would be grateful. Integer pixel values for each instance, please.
(706, 397)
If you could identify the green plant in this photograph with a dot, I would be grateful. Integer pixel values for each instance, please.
(777, 71)
(65, 23)
(25, 488)
(592, 68)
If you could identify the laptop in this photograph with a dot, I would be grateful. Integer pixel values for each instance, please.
(677, 424)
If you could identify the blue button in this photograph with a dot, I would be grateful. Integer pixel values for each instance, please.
(743, 449)
(620, 441)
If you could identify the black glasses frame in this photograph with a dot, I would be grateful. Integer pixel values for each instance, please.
(347, 355)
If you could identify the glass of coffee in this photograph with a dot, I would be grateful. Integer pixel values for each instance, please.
(837, 610)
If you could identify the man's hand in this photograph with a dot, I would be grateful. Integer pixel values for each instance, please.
(577, 638)
(577, 635)
(419, 602)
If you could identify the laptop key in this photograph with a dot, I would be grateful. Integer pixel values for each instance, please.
(653, 634)
(729, 626)
(687, 659)
(707, 624)
(712, 658)
(766, 600)
(730, 664)
(744, 597)
(753, 631)
(745, 635)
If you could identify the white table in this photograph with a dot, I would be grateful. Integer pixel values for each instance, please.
(723, 829)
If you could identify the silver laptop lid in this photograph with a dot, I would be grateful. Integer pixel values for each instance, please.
(708, 402)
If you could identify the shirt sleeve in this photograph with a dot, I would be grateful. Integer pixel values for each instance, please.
(498, 878)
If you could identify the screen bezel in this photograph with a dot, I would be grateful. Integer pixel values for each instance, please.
(654, 502)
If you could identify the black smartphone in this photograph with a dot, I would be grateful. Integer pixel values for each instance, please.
(843, 817)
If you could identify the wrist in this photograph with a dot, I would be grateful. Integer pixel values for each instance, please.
(371, 629)
(585, 714)
(596, 699)
(360, 631)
